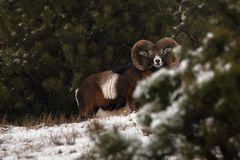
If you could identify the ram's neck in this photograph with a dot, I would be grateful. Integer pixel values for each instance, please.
(146, 73)
(136, 75)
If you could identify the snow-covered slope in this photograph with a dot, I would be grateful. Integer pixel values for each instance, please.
(67, 141)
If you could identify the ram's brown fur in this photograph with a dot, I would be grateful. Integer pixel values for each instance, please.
(91, 95)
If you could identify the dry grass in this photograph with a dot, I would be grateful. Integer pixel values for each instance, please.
(3, 120)
(122, 111)
(68, 138)
(1, 141)
(71, 137)
(53, 119)
(45, 119)
(56, 139)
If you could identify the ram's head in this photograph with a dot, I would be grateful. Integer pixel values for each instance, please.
(146, 55)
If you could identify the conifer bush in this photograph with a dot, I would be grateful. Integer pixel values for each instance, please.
(193, 111)
(48, 47)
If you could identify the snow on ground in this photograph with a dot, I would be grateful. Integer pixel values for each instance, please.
(66, 141)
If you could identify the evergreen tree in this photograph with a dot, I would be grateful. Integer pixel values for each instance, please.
(48, 47)
(193, 112)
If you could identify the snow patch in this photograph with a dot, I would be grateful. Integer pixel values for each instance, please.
(197, 52)
(204, 76)
(208, 37)
(144, 85)
(169, 117)
(223, 67)
(66, 141)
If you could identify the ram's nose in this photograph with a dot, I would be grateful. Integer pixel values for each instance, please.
(157, 61)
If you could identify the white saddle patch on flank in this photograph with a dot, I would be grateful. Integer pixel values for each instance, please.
(109, 87)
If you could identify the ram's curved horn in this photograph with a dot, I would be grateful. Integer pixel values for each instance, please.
(173, 58)
(140, 55)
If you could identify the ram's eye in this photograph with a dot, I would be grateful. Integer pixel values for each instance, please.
(166, 50)
(143, 53)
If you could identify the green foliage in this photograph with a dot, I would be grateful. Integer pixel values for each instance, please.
(193, 112)
(116, 144)
(48, 47)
